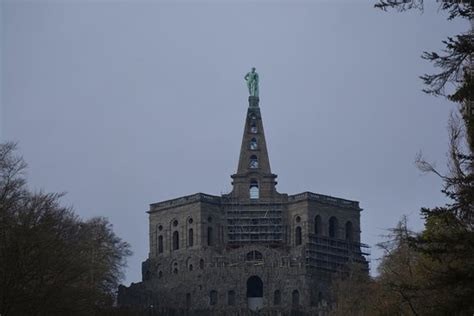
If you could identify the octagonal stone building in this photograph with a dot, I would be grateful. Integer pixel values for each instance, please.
(254, 249)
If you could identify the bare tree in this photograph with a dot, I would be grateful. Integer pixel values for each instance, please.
(51, 261)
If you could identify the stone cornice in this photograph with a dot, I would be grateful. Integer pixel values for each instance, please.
(326, 199)
(207, 198)
(188, 199)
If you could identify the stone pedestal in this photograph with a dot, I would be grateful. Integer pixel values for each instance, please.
(253, 101)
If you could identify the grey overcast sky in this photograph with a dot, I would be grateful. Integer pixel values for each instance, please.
(122, 104)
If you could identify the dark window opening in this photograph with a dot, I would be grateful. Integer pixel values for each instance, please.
(295, 298)
(254, 287)
(210, 237)
(190, 267)
(160, 274)
(201, 264)
(213, 297)
(277, 297)
(254, 256)
(333, 227)
(231, 298)
(175, 240)
(314, 298)
(190, 237)
(188, 300)
(317, 225)
(160, 244)
(298, 238)
(349, 231)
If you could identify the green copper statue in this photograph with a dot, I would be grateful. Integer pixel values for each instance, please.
(252, 82)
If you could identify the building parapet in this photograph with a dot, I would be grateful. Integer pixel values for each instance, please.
(197, 197)
(324, 199)
(202, 197)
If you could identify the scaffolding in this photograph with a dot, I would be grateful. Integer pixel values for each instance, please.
(253, 223)
(333, 255)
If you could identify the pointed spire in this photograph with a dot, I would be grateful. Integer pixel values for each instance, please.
(254, 179)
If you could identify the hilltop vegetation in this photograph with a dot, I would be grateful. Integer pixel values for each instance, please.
(430, 272)
(51, 261)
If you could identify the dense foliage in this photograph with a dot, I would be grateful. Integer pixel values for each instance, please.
(51, 261)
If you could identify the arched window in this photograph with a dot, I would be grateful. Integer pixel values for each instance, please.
(253, 144)
(349, 231)
(231, 297)
(255, 293)
(160, 244)
(201, 264)
(295, 298)
(314, 298)
(189, 264)
(277, 297)
(298, 236)
(175, 240)
(254, 192)
(317, 225)
(160, 274)
(254, 287)
(213, 297)
(210, 236)
(254, 256)
(253, 127)
(174, 268)
(190, 237)
(333, 227)
(188, 300)
(253, 162)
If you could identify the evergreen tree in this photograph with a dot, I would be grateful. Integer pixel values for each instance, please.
(455, 61)
(445, 248)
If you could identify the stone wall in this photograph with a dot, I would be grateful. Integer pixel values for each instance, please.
(201, 275)
(229, 271)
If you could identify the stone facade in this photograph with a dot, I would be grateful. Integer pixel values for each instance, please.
(251, 249)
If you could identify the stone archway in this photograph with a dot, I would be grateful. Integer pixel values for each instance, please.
(254, 293)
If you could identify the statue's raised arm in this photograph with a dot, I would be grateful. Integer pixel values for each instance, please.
(252, 82)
